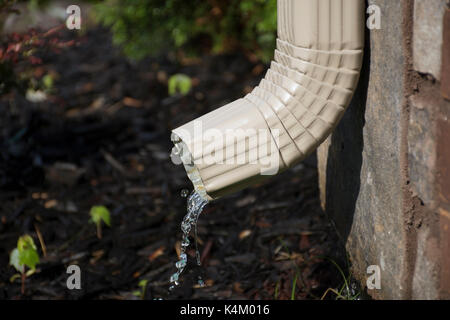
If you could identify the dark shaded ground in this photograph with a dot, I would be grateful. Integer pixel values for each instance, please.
(102, 138)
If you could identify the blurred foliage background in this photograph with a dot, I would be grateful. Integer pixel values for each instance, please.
(189, 29)
(148, 27)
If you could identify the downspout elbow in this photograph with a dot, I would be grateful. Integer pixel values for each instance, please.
(291, 112)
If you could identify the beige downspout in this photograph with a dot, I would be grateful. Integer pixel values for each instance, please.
(298, 104)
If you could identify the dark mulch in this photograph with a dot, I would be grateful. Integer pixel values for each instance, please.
(103, 138)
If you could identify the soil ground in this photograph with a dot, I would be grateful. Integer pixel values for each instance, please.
(102, 137)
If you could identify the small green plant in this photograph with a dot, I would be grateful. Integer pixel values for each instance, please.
(345, 293)
(99, 214)
(141, 293)
(24, 256)
(277, 290)
(179, 83)
(294, 286)
(47, 82)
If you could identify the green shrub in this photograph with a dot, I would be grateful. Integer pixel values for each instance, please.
(147, 27)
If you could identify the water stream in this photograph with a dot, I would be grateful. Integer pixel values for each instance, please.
(195, 205)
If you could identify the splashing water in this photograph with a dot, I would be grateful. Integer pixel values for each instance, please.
(195, 205)
(184, 193)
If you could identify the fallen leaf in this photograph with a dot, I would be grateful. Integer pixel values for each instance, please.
(245, 201)
(258, 69)
(244, 234)
(39, 195)
(64, 173)
(178, 248)
(282, 256)
(50, 204)
(158, 252)
(86, 88)
(98, 253)
(237, 287)
(131, 102)
(263, 224)
(162, 77)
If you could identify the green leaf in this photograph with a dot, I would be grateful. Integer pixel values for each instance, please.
(29, 258)
(100, 213)
(143, 283)
(14, 260)
(47, 80)
(30, 272)
(24, 255)
(179, 83)
(294, 284)
(26, 242)
(136, 293)
(14, 277)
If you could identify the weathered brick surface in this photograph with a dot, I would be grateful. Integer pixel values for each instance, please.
(429, 171)
(422, 147)
(443, 194)
(428, 16)
(428, 150)
(445, 248)
(425, 279)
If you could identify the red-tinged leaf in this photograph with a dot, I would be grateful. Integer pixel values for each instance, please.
(15, 36)
(35, 60)
(10, 47)
(53, 30)
(66, 44)
(37, 42)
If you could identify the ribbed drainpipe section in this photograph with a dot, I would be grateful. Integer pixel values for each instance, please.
(295, 107)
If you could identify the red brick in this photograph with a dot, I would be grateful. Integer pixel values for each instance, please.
(445, 247)
(443, 188)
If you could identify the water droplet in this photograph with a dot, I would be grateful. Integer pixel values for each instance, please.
(200, 282)
(180, 264)
(185, 243)
(174, 277)
(184, 193)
